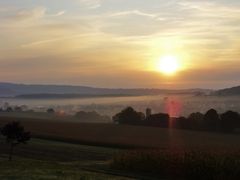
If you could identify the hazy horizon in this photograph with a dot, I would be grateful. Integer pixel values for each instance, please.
(120, 43)
(92, 86)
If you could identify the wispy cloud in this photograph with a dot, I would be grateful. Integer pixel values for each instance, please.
(92, 4)
(60, 13)
(54, 40)
(133, 12)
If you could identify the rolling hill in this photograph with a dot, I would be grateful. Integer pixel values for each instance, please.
(234, 91)
(30, 91)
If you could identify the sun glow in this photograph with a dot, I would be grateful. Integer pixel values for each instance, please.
(168, 65)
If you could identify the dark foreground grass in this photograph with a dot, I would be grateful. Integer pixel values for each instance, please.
(43, 159)
(29, 169)
(180, 165)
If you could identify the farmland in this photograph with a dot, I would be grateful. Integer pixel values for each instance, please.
(72, 150)
(113, 135)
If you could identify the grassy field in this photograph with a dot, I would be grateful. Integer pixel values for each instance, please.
(43, 159)
(59, 151)
(22, 169)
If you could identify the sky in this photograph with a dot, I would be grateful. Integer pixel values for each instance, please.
(117, 43)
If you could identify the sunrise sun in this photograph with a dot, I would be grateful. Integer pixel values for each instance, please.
(168, 65)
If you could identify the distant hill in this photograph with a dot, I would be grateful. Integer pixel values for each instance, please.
(234, 91)
(67, 96)
(58, 91)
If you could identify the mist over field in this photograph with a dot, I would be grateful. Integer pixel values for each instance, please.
(182, 105)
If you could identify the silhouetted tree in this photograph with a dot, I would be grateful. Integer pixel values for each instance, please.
(15, 134)
(229, 121)
(160, 120)
(211, 120)
(182, 123)
(18, 109)
(128, 116)
(196, 121)
(50, 110)
(142, 116)
(9, 109)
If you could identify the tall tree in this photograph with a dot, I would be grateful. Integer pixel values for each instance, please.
(229, 121)
(211, 120)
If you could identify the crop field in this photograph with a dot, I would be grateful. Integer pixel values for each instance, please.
(112, 135)
(190, 165)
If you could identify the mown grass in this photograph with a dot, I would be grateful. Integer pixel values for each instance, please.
(199, 165)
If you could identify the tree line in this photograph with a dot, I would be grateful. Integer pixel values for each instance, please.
(210, 121)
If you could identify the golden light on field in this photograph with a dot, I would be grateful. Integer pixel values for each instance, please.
(168, 64)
